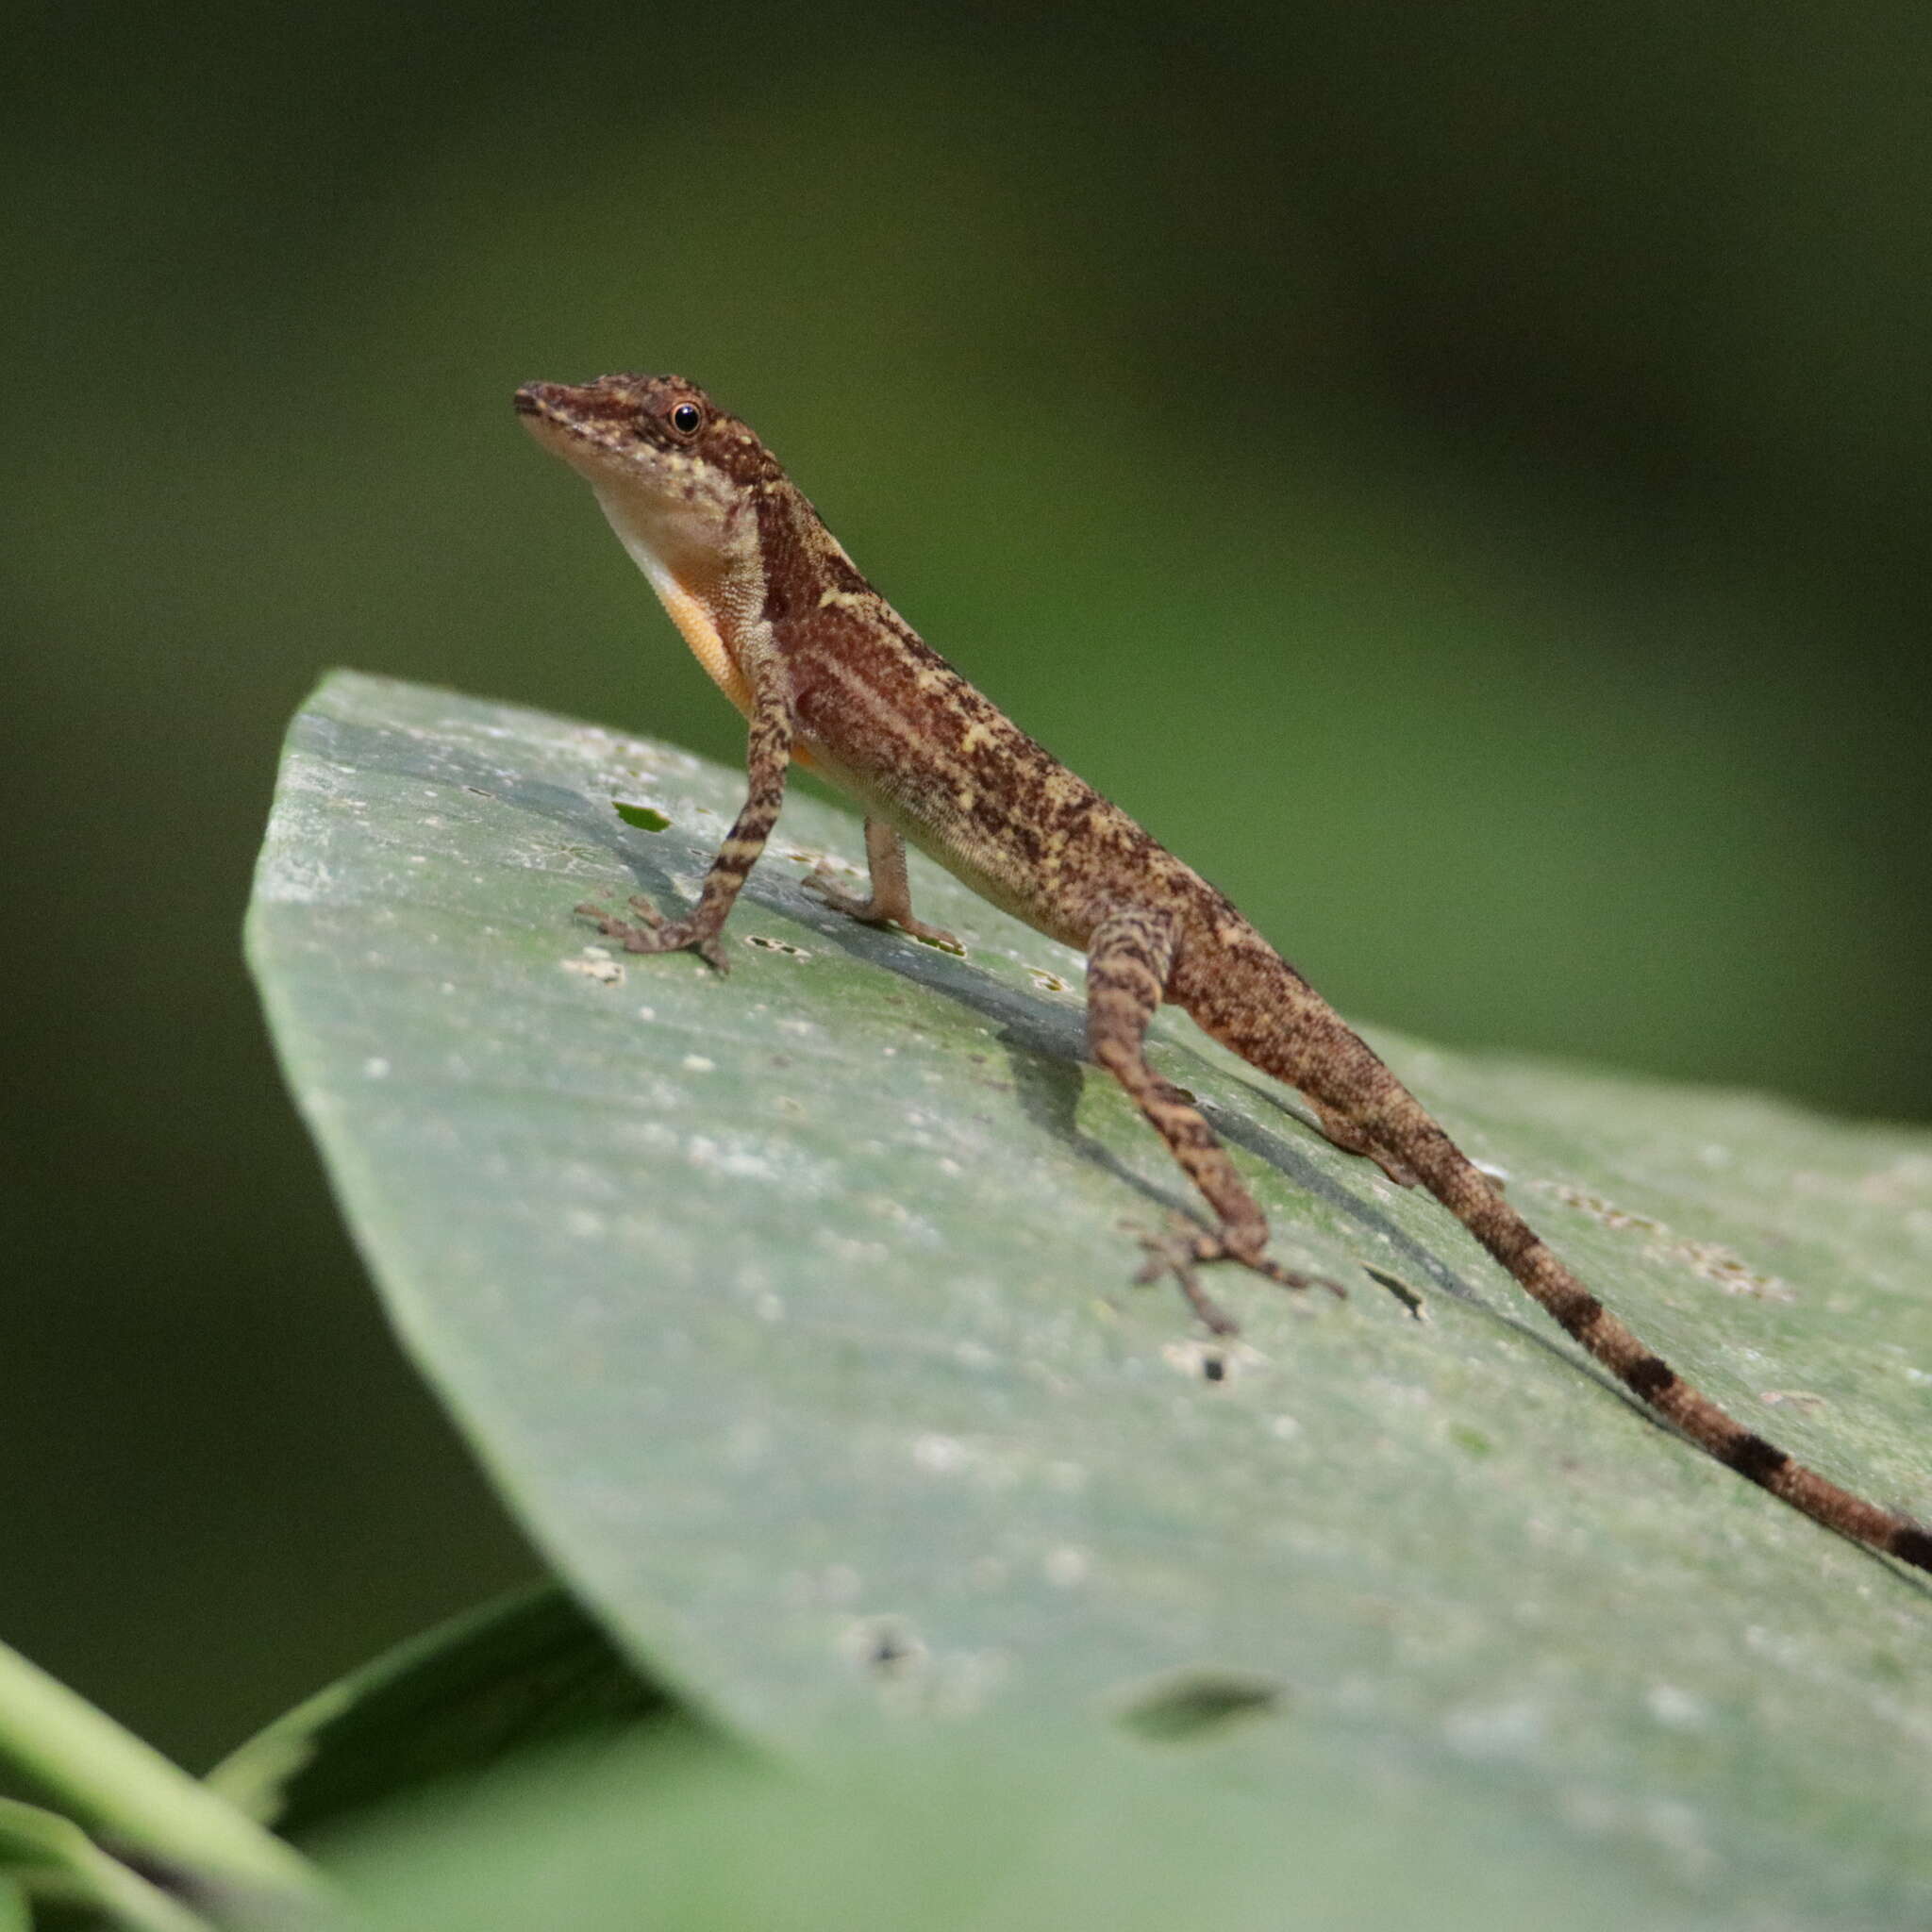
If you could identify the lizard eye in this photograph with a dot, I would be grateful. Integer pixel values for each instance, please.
(687, 419)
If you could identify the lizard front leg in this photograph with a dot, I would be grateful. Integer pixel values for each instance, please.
(1128, 960)
(890, 903)
(768, 756)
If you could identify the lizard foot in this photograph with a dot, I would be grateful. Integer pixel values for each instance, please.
(824, 884)
(1185, 1248)
(657, 933)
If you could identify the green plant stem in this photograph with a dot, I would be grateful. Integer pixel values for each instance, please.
(132, 1901)
(115, 1784)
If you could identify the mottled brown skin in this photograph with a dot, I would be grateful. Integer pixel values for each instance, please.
(826, 671)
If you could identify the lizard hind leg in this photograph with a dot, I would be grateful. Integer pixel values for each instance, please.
(1128, 960)
(891, 900)
(1340, 1132)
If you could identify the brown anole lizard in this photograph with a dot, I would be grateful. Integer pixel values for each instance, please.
(828, 674)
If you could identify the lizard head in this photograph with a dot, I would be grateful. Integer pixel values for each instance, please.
(680, 481)
(678, 476)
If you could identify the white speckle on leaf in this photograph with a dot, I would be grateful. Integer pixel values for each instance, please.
(1498, 1730)
(647, 1012)
(597, 966)
(1066, 1567)
(1670, 1705)
(939, 1454)
(1399, 1395)
(697, 1063)
(769, 1307)
(966, 1681)
(375, 1068)
(740, 1160)
(854, 1253)
(1782, 1650)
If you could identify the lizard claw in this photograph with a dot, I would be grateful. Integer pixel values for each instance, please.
(1186, 1248)
(822, 885)
(822, 882)
(633, 939)
(1177, 1253)
(655, 934)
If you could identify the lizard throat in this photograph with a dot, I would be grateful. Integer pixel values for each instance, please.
(700, 617)
(695, 618)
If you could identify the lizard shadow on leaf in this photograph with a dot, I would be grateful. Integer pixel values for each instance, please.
(1045, 1042)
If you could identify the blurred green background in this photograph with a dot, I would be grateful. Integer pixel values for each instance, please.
(1459, 474)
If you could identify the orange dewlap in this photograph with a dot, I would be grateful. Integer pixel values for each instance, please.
(693, 617)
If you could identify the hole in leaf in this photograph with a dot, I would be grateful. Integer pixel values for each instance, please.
(954, 948)
(884, 1646)
(1192, 1704)
(643, 816)
(1409, 1299)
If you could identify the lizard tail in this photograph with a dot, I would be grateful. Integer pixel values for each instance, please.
(1253, 1001)
(1399, 1123)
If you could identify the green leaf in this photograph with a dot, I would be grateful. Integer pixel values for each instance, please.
(47, 1857)
(790, 1311)
(1002, 1831)
(526, 1670)
(643, 816)
(120, 1787)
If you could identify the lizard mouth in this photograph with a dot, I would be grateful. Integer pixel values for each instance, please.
(549, 402)
(585, 412)
(582, 426)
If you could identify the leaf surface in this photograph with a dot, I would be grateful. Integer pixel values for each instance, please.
(791, 1312)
